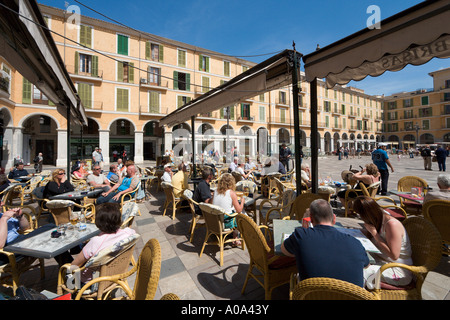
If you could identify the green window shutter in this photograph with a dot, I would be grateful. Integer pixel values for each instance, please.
(181, 58)
(131, 72)
(232, 112)
(26, 91)
(154, 102)
(148, 47)
(221, 114)
(122, 44)
(119, 71)
(207, 64)
(122, 99)
(179, 101)
(85, 93)
(226, 68)
(161, 53)
(425, 100)
(77, 62)
(95, 66)
(188, 82)
(83, 35)
(200, 62)
(175, 80)
(86, 36)
(205, 84)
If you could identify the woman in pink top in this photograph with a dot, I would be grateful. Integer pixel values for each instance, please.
(108, 219)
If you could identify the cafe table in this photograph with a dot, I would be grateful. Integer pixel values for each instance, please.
(407, 196)
(77, 195)
(42, 245)
(282, 229)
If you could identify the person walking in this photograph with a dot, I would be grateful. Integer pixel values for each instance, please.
(38, 162)
(381, 159)
(426, 155)
(441, 156)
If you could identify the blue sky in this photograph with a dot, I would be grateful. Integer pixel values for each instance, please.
(251, 29)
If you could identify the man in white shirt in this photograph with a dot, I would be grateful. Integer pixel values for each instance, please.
(443, 182)
(97, 179)
(168, 173)
(234, 164)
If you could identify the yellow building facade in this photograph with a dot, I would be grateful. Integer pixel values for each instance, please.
(128, 79)
(419, 117)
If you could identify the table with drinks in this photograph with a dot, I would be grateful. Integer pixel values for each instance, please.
(50, 243)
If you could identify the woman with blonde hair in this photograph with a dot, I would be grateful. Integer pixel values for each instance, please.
(59, 184)
(226, 198)
(390, 237)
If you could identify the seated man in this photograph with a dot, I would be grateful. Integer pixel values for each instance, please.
(180, 180)
(233, 165)
(126, 184)
(112, 174)
(443, 182)
(306, 174)
(323, 251)
(168, 173)
(18, 171)
(203, 192)
(245, 175)
(97, 179)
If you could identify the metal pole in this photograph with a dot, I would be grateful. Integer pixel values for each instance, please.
(295, 91)
(68, 142)
(193, 146)
(314, 136)
(227, 147)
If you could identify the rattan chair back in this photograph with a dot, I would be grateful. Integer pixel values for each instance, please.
(148, 271)
(438, 212)
(301, 203)
(329, 289)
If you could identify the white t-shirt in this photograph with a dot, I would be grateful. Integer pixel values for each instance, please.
(166, 177)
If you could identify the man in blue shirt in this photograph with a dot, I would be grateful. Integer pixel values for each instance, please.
(323, 251)
(17, 172)
(381, 159)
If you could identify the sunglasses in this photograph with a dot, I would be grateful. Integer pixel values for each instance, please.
(61, 173)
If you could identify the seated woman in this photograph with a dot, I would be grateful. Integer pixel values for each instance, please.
(371, 177)
(390, 237)
(306, 174)
(79, 172)
(226, 198)
(108, 220)
(58, 185)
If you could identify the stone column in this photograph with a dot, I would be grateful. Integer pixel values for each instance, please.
(104, 145)
(138, 146)
(9, 148)
(61, 153)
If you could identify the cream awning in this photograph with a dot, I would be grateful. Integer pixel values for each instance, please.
(413, 36)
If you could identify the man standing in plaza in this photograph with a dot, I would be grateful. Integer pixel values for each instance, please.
(426, 155)
(285, 156)
(96, 157)
(441, 156)
(381, 159)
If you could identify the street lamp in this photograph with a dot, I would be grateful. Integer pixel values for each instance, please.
(417, 128)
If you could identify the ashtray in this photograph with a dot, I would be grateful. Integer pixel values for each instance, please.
(84, 192)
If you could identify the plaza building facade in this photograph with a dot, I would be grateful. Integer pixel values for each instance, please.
(128, 80)
(419, 117)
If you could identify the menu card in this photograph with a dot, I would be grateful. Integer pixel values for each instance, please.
(367, 244)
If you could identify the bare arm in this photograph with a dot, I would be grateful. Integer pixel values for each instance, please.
(237, 206)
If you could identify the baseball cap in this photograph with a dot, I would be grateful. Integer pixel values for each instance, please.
(167, 165)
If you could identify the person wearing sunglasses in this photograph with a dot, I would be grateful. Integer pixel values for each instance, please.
(59, 184)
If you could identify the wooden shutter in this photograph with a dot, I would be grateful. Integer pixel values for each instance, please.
(95, 66)
(188, 82)
(175, 80)
(179, 101)
(86, 36)
(122, 44)
(26, 91)
(77, 62)
(148, 50)
(232, 112)
(161, 53)
(85, 93)
(153, 102)
(130, 72)
(122, 99)
(119, 71)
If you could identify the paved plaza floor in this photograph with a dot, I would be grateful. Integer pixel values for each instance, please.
(192, 277)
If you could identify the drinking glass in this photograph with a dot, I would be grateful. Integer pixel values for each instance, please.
(73, 219)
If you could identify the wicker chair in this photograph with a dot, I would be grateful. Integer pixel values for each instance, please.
(327, 289)
(214, 218)
(27, 190)
(11, 271)
(426, 254)
(438, 212)
(301, 203)
(197, 220)
(273, 270)
(171, 201)
(61, 210)
(110, 261)
(405, 184)
(147, 273)
(250, 188)
(370, 191)
(130, 195)
(282, 210)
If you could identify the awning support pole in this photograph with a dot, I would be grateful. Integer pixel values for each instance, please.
(314, 141)
(68, 175)
(193, 147)
(295, 91)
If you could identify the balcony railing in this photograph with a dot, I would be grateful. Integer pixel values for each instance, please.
(92, 105)
(161, 84)
(76, 72)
